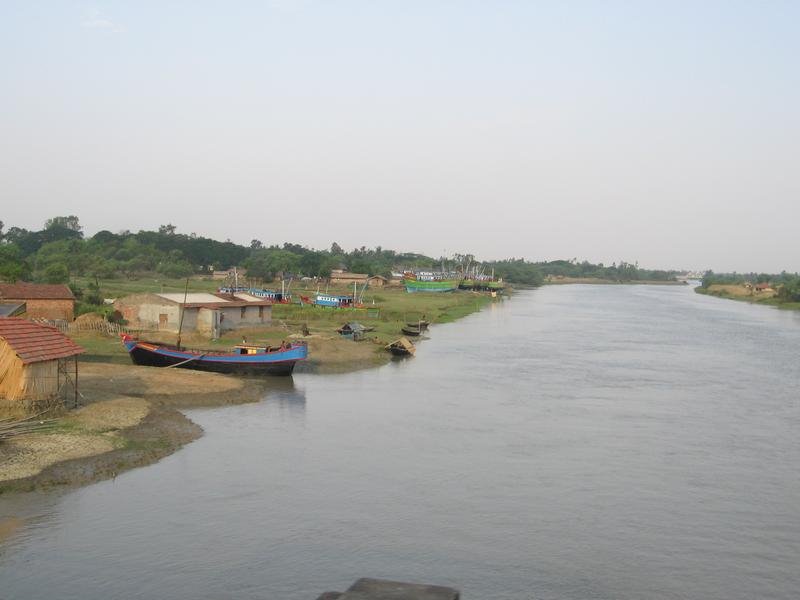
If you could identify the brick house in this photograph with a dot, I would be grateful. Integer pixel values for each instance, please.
(42, 301)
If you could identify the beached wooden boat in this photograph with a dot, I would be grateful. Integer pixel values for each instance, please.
(242, 359)
(421, 325)
(401, 347)
(411, 330)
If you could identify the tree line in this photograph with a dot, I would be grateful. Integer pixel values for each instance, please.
(60, 251)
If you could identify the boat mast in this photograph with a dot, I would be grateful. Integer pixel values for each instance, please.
(183, 310)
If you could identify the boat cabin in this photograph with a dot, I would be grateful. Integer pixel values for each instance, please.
(334, 301)
(264, 294)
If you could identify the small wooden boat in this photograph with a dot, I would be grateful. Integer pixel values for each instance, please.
(421, 325)
(413, 331)
(242, 359)
(401, 347)
(350, 328)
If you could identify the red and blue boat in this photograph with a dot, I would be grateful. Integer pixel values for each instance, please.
(243, 359)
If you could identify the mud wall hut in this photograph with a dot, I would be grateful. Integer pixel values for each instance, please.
(36, 363)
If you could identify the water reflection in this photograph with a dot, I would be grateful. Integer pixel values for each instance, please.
(286, 398)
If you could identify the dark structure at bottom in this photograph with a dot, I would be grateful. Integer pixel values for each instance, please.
(381, 589)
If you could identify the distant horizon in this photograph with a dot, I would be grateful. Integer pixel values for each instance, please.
(666, 134)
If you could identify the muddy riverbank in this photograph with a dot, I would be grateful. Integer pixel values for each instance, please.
(130, 418)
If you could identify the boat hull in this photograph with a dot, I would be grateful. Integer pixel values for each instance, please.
(272, 363)
(410, 331)
(400, 351)
(440, 285)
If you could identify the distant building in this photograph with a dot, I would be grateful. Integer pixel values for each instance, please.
(377, 281)
(764, 287)
(231, 273)
(209, 314)
(344, 278)
(37, 363)
(42, 301)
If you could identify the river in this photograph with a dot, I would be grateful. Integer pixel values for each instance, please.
(593, 442)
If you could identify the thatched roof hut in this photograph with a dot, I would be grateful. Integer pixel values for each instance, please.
(36, 362)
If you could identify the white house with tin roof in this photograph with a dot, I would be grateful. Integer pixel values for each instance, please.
(209, 314)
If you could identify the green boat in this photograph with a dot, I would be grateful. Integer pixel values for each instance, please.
(480, 284)
(427, 282)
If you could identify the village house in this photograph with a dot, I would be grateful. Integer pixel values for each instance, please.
(377, 281)
(209, 314)
(340, 277)
(763, 288)
(37, 364)
(231, 273)
(42, 301)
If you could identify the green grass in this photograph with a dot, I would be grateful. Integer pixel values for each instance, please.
(393, 308)
(101, 348)
(772, 301)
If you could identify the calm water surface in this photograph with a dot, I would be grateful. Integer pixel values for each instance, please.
(574, 442)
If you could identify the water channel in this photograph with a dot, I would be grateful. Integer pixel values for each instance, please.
(603, 442)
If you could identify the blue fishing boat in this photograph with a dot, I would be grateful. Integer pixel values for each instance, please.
(242, 359)
(274, 295)
(332, 301)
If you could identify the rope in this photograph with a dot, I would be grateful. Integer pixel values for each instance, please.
(186, 361)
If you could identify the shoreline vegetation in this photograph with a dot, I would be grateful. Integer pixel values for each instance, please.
(781, 290)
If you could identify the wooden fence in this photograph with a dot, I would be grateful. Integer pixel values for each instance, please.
(80, 326)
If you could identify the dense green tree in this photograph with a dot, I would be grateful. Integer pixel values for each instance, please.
(13, 266)
(55, 273)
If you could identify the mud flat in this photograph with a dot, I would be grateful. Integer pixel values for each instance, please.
(130, 419)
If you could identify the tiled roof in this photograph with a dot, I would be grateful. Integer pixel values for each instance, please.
(35, 291)
(36, 343)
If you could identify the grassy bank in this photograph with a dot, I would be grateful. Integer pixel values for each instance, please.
(387, 311)
(744, 294)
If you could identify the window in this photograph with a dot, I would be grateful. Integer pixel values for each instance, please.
(260, 312)
(244, 311)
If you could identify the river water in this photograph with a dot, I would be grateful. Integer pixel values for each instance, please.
(603, 442)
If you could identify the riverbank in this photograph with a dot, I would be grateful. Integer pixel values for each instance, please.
(131, 415)
(130, 418)
(745, 294)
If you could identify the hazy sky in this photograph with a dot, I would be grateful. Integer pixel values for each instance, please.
(661, 132)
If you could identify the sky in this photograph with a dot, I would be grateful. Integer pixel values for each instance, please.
(666, 133)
